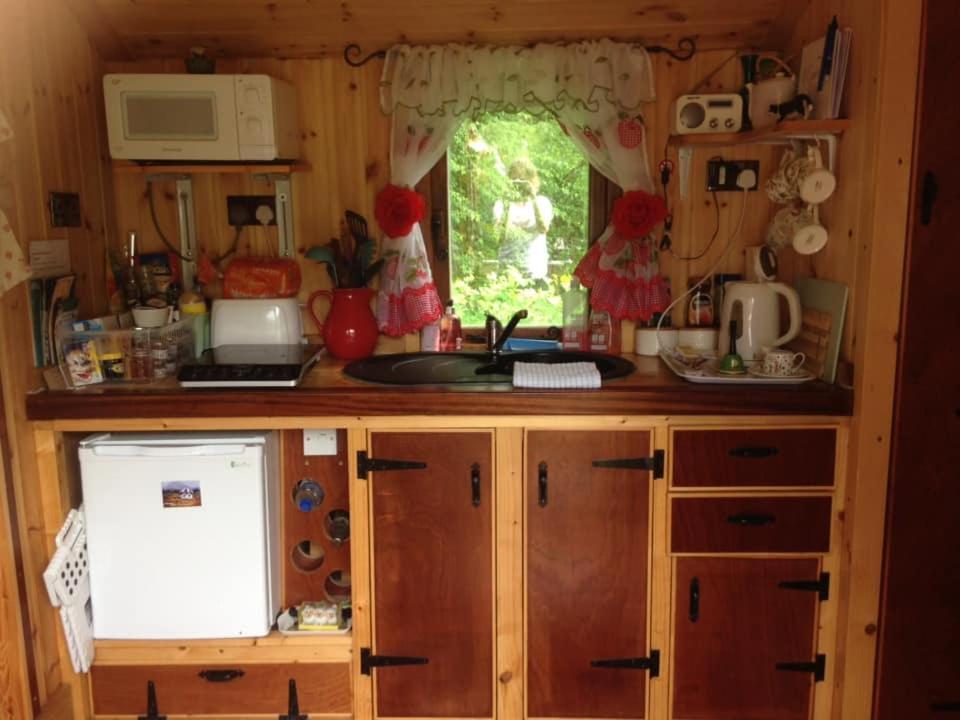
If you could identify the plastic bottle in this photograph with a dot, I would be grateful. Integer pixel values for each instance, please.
(575, 336)
(451, 333)
(430, 337)
(308, 495)
(604, 333)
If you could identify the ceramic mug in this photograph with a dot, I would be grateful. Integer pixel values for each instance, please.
(785, 223)
(650, 342)
(814, 182)
(782, 362)
(810, 237)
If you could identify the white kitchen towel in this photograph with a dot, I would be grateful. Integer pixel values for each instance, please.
(565, 376)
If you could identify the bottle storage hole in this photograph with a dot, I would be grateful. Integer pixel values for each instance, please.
(337, 586)
(307, 556)
(336, 525)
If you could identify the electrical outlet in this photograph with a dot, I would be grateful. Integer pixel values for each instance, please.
(243, 210)
(65, 210)
(722, 174)
(319, 442)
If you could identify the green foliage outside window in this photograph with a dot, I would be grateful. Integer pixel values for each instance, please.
(478, 160)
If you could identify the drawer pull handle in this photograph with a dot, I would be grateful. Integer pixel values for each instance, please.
(221, 676)
(475, 483)
(945, 707)
(542, 485)
(749, 520)
(694, 600)
(749, 452)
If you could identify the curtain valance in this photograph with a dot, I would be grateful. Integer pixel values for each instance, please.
(458, 79)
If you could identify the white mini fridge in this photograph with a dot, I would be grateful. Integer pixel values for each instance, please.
(182, 534)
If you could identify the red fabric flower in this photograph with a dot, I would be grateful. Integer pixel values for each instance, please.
(398, 209)
(636, 213)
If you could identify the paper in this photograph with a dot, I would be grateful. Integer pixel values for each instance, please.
(49, 257)
(826, 102)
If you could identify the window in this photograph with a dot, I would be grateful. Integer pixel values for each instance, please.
(514, 206)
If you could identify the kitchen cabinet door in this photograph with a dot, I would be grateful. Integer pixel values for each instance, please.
(587, 543)
(433, 574)
(733, 624)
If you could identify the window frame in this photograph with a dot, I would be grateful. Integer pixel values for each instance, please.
(602, 193)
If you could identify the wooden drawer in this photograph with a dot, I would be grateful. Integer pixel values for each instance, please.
(750, 524)
(753, 458)
(262, 689)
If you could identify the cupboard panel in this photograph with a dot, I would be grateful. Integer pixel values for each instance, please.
(732, 631)
(587, 547)
(433, 574)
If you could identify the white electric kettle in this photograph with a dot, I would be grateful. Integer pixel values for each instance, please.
(756, 310)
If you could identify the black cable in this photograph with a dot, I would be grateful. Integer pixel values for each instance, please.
(156, 224)
(716, 232)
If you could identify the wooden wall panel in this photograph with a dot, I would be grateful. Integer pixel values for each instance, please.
(50, 92)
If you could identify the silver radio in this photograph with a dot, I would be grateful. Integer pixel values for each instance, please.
(718, 112)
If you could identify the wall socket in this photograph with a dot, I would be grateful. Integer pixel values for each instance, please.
(65, 210)
(243, 210)
(722, 174)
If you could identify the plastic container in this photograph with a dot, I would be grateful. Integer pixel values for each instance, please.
(575, 313)
(604, 333)
(308, 495)
(261, 277)
(451, 333)
(89, 357)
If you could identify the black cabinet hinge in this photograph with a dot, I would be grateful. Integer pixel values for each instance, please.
(368, 661)
(655, 463)
(651, 663)
(366, 464)
(818, 667)
(821, 586)
(152, 713)
(293, 705)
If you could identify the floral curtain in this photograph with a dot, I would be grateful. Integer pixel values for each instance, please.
(595, 88)
(13, 266)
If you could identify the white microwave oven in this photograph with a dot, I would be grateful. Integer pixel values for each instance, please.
(200, 117)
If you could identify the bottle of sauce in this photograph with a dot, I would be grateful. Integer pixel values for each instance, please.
(451, 332)
(604, 333)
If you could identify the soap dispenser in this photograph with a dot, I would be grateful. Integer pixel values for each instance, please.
(451, 333)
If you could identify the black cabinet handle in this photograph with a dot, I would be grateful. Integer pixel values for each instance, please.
(751, 520)
(694, 600)
(945, 707)
(751, 452)
(475, 483)
(542, 485)
(221, 676)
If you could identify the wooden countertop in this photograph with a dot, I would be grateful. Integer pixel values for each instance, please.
(326, 391)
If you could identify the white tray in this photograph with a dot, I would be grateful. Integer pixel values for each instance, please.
(707, 374)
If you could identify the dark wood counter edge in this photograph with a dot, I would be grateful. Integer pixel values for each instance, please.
(683, 399)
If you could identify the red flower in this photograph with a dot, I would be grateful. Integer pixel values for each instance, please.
(635, 214)
(398, 209)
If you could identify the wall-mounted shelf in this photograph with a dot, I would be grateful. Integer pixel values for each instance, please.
(182, 175)
(782, 133)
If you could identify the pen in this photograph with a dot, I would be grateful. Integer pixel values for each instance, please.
(826, 65)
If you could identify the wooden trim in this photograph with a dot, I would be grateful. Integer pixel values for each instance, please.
(361, 542)
(883, 231)
(660, 584)
(510, 568)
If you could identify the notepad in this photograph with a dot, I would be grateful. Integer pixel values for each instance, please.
(826, 99)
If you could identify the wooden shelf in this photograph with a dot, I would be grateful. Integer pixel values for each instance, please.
(128, 167)
(780, 132)
(276, 647)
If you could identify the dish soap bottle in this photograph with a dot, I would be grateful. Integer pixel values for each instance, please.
(574, 300)
(451, 333)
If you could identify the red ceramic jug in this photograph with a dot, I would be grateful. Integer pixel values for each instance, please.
(350, 329)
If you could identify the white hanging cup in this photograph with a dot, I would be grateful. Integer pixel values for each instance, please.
(815, 183)
(810, 238)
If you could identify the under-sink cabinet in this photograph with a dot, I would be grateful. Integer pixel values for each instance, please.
(538, 567)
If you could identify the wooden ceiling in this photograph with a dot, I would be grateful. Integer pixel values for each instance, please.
(135, 29)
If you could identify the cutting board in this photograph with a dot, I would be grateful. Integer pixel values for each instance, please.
(824, 309)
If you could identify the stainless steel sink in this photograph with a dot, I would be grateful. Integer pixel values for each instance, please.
(470, 367)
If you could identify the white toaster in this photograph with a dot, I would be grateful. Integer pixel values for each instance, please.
(272, 321)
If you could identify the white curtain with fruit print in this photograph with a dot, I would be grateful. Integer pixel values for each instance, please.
(13, 266)
(596, 88)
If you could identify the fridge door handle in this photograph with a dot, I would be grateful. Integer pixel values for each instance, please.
(168, 451)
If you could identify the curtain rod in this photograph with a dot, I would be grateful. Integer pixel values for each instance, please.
(686, 49)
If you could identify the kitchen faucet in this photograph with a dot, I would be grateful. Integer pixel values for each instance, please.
(497, 335)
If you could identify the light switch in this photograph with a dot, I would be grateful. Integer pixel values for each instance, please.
(319, 442)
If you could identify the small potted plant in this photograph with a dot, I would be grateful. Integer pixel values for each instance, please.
(350, 329)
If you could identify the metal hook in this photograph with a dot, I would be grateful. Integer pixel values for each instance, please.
(355, 50)
(686, 49)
